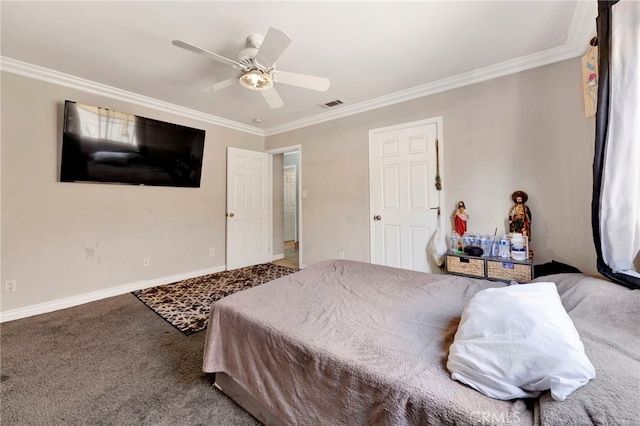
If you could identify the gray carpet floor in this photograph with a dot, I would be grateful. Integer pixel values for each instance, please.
(110, 362)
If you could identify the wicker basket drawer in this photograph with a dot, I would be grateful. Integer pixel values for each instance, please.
(465, 265)
(509, 270)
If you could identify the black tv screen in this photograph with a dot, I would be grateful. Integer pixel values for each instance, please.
(103, 145)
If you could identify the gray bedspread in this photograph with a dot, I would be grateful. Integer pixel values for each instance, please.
(351, 343)
(607, 316)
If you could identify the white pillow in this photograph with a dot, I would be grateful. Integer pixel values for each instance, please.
(517, 341)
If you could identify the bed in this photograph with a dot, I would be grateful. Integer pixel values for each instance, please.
(344, 342)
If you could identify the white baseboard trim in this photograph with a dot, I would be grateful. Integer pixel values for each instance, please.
(277, 257)
(68, 302)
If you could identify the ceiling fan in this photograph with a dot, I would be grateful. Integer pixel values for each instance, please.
(257, 65)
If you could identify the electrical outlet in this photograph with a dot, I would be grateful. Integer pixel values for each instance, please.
(212, 251)
(146, 261)
(11, 286)
(341, 255)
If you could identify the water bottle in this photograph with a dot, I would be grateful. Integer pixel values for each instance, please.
(495, 247)
(477, 240)
(485, 244)
(466, 241)
(504, 247)
(453, 242)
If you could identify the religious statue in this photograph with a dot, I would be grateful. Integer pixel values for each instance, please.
(460, 219)
(520, 215)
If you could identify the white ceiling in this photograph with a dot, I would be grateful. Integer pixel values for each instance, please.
(374, 53)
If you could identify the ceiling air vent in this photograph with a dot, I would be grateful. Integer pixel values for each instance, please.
(332, 104)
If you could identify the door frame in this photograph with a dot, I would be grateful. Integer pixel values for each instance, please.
(298, 149)
(295, 171)
(440, 159)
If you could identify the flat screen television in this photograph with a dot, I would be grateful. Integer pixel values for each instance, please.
(103, 145)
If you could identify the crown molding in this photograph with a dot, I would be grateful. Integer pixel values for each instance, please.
(498, 70)
(582, 29)
(583, 26)
(44, 74)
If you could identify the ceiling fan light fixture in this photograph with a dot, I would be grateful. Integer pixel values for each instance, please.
(256, 80)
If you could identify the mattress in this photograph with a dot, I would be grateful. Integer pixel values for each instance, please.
(344, 342)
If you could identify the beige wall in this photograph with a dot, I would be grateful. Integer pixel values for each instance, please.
(523, 131)
(61, 240)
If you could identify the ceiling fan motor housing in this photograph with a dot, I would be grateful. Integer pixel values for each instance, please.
(254, 40)
(256, 62)
(255, 77)
(246, 57)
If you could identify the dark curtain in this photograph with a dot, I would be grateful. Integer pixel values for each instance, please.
(606, 134)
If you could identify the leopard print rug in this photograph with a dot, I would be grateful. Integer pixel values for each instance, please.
(186, 304)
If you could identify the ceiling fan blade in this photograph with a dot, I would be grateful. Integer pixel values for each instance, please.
(273, 45)
(272, 97)
(220, 85)
(206, 53)
(320, 84)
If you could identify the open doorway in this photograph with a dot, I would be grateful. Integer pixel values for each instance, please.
(290, 205)
(286, 203)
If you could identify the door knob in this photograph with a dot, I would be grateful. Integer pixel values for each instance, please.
(377, 217)
(230, 214)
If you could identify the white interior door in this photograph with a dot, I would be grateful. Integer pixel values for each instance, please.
(248, 208)
(404, 199)
(290, 203)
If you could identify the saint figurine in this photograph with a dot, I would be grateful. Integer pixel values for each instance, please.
(460, 219)
(520, 215)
